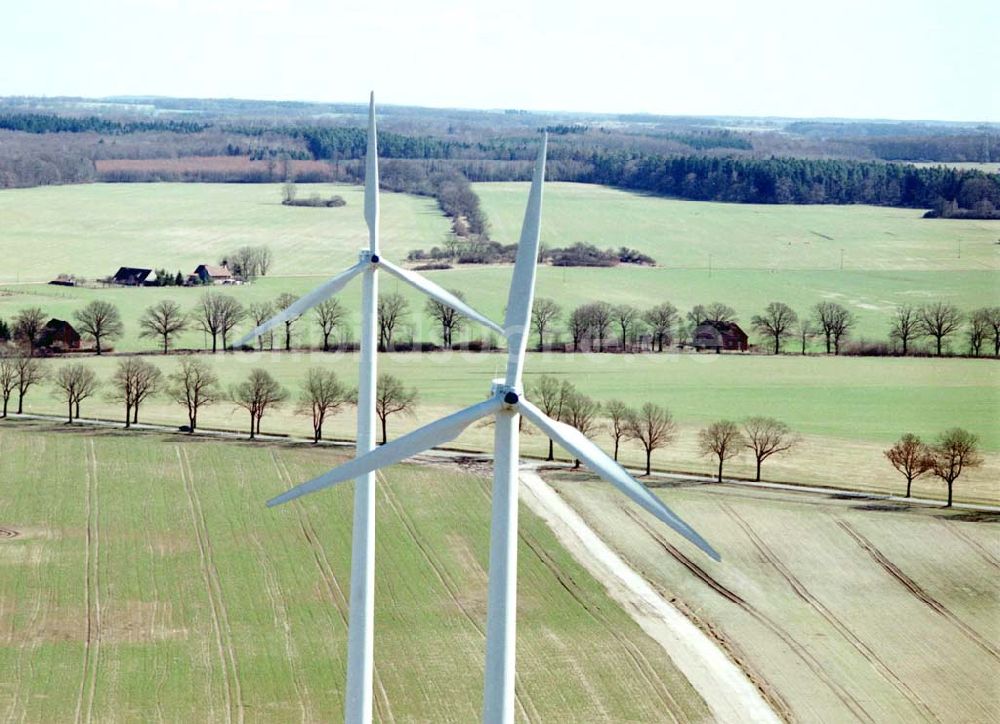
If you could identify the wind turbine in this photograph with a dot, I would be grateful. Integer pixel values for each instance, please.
(506, 402)
(360, 662)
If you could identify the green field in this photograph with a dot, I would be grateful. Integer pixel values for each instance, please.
(847, 409)
(758, 253)
(839, 610)
(141, 578)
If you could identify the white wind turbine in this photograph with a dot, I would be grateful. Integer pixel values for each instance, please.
(358, 699)
(506, 403)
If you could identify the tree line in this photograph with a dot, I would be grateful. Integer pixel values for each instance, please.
(50, 123)
(589, 327)
(194, 386)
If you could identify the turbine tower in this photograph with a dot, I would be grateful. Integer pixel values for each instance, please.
(360, 661)
(506, 403)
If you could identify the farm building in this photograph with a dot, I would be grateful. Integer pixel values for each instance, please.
(128, 276)
(64, 280)
(720, 336)
(212, 274)
(58, 335)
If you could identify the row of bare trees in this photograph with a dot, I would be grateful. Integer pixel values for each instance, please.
(591, 326)
(652, 426)
(953, 451)
(194, 385)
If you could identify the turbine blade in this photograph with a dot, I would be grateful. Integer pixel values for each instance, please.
(436, 433)
(371, 180)
(307, 302)
(597, 460)
(439, 293)
(517, 322)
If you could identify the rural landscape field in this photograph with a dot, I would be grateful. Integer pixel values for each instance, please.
(680, 404)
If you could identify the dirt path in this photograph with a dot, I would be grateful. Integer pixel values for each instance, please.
(730, 696)
(873, 659)
(220, 615)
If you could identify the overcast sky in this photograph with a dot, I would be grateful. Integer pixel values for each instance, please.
(915, 59)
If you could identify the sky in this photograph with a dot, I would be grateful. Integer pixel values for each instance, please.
(900, 59)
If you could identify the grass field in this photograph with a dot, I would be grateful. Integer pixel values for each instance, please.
(839, 610)
(758, 253)
(141, 578)
(847, 409)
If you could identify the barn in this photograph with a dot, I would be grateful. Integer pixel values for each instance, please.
(212, 274)
(128, 276)
(58, 335)
(720, 336)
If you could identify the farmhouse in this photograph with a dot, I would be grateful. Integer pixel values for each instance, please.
(128, 276)
(58, 335)
(720, 336)
(212, 274)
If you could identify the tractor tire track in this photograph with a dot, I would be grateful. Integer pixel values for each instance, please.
(92, 592)
(919, 593)
(449, 585)
(975, 545)
(28, 642)
(161, 673)
(220, 615)
(803, 653)
(332, 585)
(279, 609)
(842, 628)
(634, 654)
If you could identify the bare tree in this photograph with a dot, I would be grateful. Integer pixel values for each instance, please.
(256, 394)
(451, 321)
(100, 320)
(29, 373)
(581, 412)
(600, 321)
(207, 316)
(544, 313)
(715, 313)
(993, 315)
(654, 427)
(392, 397)
(904, 326)
(330, 313)
(260, 312)
(194, 385)
(777, 322)
(625, 316)
(618, 413)
(979, 330)
(283, 302)
(805, 330)
(722, 439)
(392, 309)
(231, 313)
(134, 380)
(76, 382)
(766, 436)
(939, 320)
(8, 378)
(579, 325)
(323, 394)
(835, 321)
(911, 457)
(661, 320)
(26, 327)
(550, 396)
(162, 321)
(955, 450)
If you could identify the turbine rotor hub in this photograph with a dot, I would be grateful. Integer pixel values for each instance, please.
(510, 394)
